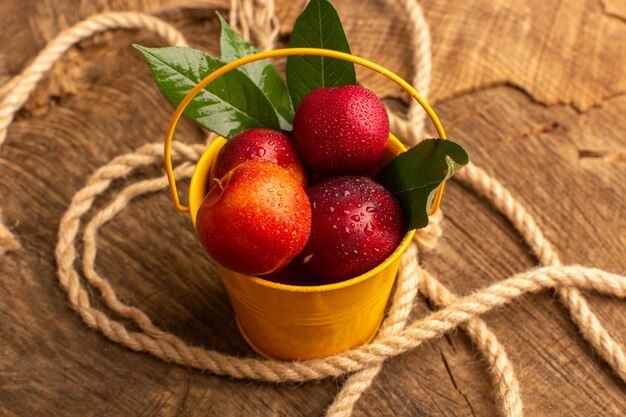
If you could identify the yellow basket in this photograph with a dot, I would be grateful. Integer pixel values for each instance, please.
(298, 322)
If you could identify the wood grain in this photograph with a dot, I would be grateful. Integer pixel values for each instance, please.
(534, 89)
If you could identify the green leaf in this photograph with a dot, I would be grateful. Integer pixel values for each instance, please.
(262, 73)
(414, 176)
(318, 27)
(227, 106)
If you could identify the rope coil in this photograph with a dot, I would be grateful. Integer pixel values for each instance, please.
(396, 335)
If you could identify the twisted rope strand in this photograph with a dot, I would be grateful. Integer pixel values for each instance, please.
(411, 127)
(28, 79)
(587, 322)
(500, 367)
(16, 91)
(593, 331)
(255, 18)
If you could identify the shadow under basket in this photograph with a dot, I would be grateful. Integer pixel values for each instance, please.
(302, 322)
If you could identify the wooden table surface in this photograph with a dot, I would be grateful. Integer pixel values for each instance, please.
(535, 89)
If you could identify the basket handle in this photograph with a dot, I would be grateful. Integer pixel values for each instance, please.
(282, 53)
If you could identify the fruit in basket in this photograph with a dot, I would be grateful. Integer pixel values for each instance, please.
(261, 145)
(256, 219)
(338, 128)
(341, 130)
(356, 225)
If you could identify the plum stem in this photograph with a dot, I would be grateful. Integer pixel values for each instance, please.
(219, 183)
